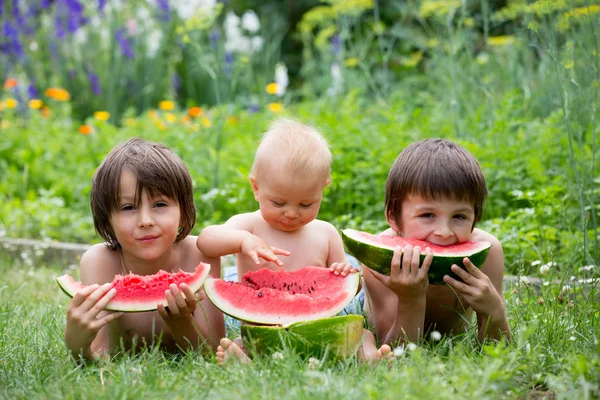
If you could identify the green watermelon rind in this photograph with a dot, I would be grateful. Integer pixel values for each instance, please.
(351, 288)
(335, 337)
(379, 258)
(70, 287)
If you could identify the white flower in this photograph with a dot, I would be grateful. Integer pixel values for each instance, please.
(536, 262)
(435, 335)
(33, 46)
(80, 37)
(572, 338)
(411, 346)
(153, 41)
(552, 264)
(398, 351)
(337, 80)
(277, 355)
(524, 280)
(281, 79)
(544, 269)
(232, 24)
(257, 43)
(587, 268)
(517, 193)
(250, 21)
(313, 363)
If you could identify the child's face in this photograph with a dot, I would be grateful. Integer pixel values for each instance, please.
(440, 222)
(288, 201)
(149, 230)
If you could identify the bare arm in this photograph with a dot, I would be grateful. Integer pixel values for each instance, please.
(235, 236)
(86, 330)
(482, 291)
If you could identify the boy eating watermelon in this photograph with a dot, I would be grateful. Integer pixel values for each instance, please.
(435, 192)
(290, 171)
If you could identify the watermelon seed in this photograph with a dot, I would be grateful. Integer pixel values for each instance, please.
(259, 294)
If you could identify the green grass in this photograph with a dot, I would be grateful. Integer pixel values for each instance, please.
(555, 354)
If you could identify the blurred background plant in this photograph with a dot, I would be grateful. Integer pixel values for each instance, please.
(516, 82)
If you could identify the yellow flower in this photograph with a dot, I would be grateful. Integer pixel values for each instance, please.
(35, 104)
(102, 115)
(166, 105)
(231, 120)
(569, 65)
(86, 130)
(171, 118)
(272, 88)
(10, 103)
(131, 122)
(412, 60)
(206, 122)
(4, 124)
(351, 62)
(275, 107)
(500, 40)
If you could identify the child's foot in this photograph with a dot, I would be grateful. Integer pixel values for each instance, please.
(230, 350)
(381, 354)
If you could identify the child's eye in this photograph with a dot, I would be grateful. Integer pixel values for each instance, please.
(306, 205)
(161, 204)
(127, 207)
(427, 215)
(276, 204)
(460, 216)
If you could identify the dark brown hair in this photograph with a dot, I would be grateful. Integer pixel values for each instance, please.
(157, 169)
(435, 169)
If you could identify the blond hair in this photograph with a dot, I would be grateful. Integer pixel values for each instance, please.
(292, 144)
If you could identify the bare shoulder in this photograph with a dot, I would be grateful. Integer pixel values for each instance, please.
(99, 264)
(246, 221)
(324, 226)
(494, 264)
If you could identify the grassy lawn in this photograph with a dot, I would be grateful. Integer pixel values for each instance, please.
(555, 354)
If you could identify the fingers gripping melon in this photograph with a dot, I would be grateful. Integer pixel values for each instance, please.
(376, 251)
(142, 293)
(338, 337)
(280, 298)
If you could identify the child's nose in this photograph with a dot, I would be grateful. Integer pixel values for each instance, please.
(443, 230)
(145, 217)
(291, 213)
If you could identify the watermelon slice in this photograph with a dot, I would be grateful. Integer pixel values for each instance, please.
(281, 298)
(338, 337)
(137, 293)
(376, 251)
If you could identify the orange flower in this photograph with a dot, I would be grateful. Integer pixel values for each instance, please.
(102, 115)
(10, 83)
(58, 94)
(272, 88)
(186, 119)
(166, 105)
(195, 112)
(152, 114)
(275, 107)
(35, 104)
(45, 111)
(86, 130)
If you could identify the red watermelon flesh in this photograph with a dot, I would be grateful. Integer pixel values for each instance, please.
(269, 297)
(142, 293)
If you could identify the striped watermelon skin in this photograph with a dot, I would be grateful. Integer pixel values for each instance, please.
(376, 252)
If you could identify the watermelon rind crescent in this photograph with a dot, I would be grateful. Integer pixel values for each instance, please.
(335, 337)
(378, 256)
(138, 302)
(264, 317)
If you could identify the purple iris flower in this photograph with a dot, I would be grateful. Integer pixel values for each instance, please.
(228, 63)
(32, 92)
(214, 38)
(336, 44)
(164, 12)
(12, 44)
(253, 108)
(124, 43)
(44, 4)
(101, 4)
(94, 83)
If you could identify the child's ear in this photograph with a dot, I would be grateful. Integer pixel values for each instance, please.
(254, 186)
(392, 221)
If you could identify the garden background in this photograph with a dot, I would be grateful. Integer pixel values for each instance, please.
(516, 82)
